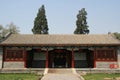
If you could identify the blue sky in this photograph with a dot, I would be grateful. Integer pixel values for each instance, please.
(103, 15)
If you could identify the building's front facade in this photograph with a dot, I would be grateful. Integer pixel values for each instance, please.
(60, 51)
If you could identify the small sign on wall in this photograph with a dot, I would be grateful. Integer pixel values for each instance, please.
(113, 66)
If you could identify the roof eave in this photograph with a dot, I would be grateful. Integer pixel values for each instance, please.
(59, 44)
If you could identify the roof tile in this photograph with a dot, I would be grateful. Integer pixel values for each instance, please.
(60, 39)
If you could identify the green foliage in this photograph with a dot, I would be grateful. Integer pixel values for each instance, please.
(19, 76)
(100, 76)
(81, 23)
(117, 35)
(1, 31)
(40, 23)
(13, 28)
(10, 28)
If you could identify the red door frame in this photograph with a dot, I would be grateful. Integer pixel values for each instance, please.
(73, 59)
(47, 58)
(25, 54)
(94, 58)
(47, 63)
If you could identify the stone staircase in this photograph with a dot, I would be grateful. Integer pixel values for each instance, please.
(61, 71)
(61, 74)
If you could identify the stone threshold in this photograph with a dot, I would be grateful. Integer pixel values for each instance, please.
(45, 70)
(97, 70)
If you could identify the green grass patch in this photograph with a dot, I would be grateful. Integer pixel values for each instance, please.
(100, 76)
(23, 76)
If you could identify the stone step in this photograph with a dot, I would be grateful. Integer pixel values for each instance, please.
(60, 71)
(61, 77)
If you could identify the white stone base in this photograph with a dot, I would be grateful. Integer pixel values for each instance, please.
(13, 64)
(104, 64)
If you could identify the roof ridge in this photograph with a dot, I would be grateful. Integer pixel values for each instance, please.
(113, 35)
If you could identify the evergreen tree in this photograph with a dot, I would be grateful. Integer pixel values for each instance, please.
(81, 23)
(40, 23)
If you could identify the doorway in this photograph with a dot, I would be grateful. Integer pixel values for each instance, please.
(60, 58)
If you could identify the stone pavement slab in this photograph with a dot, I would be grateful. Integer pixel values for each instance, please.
(61, 77)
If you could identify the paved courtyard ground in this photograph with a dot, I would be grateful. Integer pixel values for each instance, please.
(61, 77)
(61, 74)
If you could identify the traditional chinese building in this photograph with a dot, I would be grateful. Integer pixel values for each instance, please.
(59, 51)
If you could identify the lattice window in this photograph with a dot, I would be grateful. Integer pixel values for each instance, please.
(14, 55)
(106, 55)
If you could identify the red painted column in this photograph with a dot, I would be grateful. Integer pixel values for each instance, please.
(94, 58)
(25, 54)
(47, 58)
(5, 54)
(72, 58)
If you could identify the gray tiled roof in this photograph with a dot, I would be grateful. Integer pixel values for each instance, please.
(29, 39)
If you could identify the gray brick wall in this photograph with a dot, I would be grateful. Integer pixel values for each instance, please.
(13, 64)
(104, 64)
(119, 57)
(1, 56)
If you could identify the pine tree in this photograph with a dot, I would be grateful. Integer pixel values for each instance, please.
(81, 23)
(40, 23)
